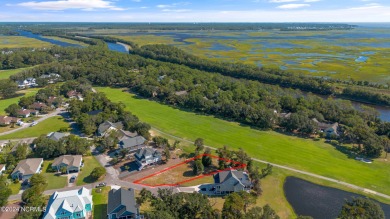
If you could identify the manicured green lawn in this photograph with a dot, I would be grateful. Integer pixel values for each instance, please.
(84, 176)
(49, 125)
(55, 180)
(303, 154)
(15, 187)
(4, 103)
(4, 74)
(100, 200)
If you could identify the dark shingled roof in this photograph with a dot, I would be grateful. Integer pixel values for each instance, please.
(107, 124)
(145, 152)
(132, 142)
(225, 175)
(121, 202)
(56, 136)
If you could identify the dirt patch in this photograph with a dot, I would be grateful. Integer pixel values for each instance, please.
(181, 173)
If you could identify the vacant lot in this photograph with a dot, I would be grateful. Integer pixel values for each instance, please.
(100, 199)
(52, 124)
(84, 176)
(304, 154)
(178, 174)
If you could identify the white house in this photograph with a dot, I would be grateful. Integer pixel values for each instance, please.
(2, 168)
(147, 156)
(69, 205)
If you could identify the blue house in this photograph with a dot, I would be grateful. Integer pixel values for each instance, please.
(69, 205)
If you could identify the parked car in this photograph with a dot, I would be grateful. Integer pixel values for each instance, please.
(100, 185)
(72, 179)
(33, 124)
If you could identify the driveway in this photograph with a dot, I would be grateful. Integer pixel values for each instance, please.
(70, 175)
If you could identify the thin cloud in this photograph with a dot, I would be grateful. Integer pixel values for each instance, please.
(286, 1)
(173, 5)
(282, 1)
(176, 10)
(71, 4)
(368, 6)
(293, 6)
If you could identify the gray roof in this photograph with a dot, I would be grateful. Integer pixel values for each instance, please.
(107, 124)
(28, 166)
(122, 202)
(56, 136)
(240, 176)
(69, 160)
(71, 201)
(122, 134)
(132, 142)
(324, 126)
(145, 152)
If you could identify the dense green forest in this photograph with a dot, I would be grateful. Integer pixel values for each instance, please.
(247, 101)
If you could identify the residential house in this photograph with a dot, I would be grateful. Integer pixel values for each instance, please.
(122, 204)
(94, 113)
(53, 101)
(51, 78)
(132, 144)
(56, 136)
(26, 168)
(107, 126)
(71, 162)
(122, 134)
(2, 168)
(38, 106)
(330, 129)
(232, 180)
(181, 93)
(147, 156)
(74, 94)
(28, 82)
(24, 113)
(69, 205)
(7, 120)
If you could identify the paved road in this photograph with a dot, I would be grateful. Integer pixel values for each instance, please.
(294, 170)
(27, 125)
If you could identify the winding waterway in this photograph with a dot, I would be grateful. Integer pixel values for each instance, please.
(319, 202)
(384, 112)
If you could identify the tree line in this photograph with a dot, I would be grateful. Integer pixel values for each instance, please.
(246, 101)
(321, 86)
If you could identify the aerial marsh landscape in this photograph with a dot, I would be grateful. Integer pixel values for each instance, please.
(359, 54)
(199, 120)
(12, 42)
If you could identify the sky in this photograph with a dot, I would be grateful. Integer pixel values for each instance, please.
(195, 10)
